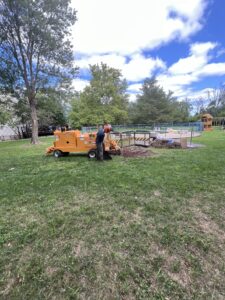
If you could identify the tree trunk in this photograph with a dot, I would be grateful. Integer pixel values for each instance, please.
(34, 119)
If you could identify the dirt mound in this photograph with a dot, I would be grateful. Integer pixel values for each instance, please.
(169, 143)
(135, 151)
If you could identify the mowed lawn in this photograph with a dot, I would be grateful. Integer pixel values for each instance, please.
(130, 228)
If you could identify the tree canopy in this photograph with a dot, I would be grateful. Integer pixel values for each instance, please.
(153, 104)
(51, 108)
(105, 99)
(34, 42)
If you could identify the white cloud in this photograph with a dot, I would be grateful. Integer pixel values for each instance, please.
(80, 84)
(137, 68)
(179, 77)
(188, 65)
(112, 60)
(212, 69)
(203, 94)
(188, 9)
(115, 32)
(178, 84)
(140, 67)
(177, 80)
(126, 27)
(134, 88)
(199, 49)
(198, 58)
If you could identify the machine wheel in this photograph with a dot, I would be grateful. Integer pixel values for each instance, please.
(57, 153)
(92, 154)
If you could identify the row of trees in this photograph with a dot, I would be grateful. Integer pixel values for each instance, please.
(37, 68)
(106, 98)
(52, 108)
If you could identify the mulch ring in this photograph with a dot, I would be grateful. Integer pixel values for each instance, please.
(135, 151)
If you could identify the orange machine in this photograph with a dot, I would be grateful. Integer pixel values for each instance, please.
(77, 142)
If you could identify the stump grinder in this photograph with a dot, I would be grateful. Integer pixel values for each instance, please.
(73, 141)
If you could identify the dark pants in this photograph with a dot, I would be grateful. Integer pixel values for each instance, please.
(106, 155)
(100, 151)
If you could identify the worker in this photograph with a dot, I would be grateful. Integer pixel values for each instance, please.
(107, 129)
(99, 142)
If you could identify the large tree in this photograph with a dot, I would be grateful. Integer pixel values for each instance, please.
(181, 111)
(105, 99)
(153, 104)
(34, 42)
(51, 108)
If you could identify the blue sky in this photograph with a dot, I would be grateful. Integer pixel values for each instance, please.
(181, 42)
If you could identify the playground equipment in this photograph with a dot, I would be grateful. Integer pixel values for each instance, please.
(207, 120)
(76, 142)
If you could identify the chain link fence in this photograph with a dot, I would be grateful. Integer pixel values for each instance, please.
(8, 133)
(159, 127)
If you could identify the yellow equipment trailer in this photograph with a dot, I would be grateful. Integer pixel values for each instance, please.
(73, 141)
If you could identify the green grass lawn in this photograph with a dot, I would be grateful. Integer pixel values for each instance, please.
(137, 228)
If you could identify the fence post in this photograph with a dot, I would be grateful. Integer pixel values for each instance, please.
(191, 136)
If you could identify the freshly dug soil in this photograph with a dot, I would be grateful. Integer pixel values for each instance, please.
(135, 151)
(164, 144)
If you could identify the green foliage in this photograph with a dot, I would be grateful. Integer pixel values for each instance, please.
(22, 111)
(105, 99)
(34, 42)
(6, 109)
(8, 74)
(33, 36)
(4, 116)
(50, 108)
(194, 118)
(181, 110)
(155, 105)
